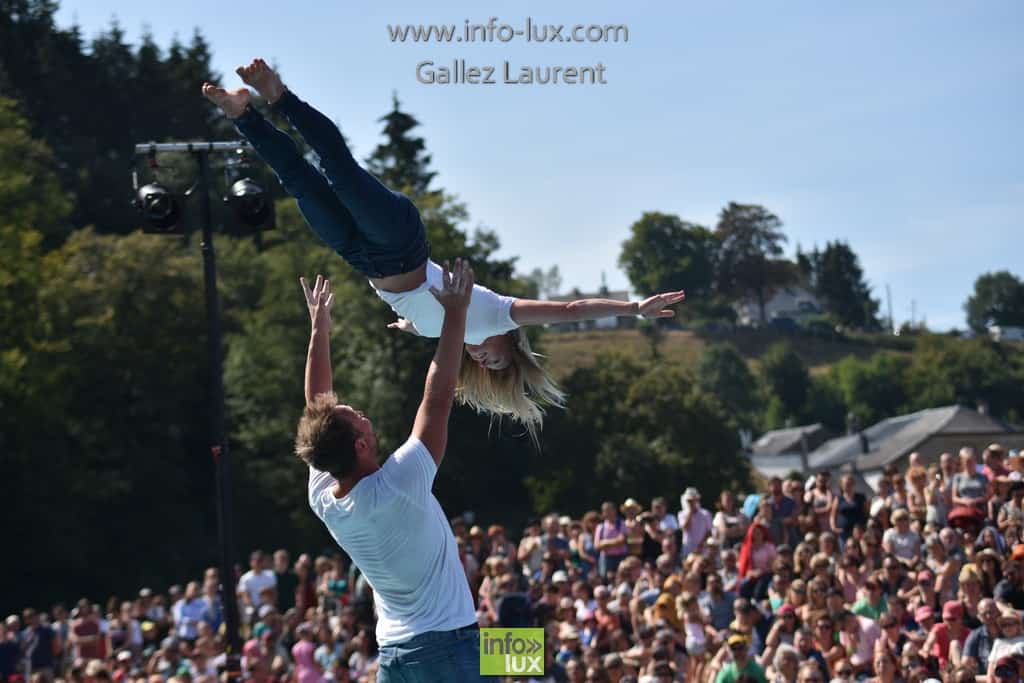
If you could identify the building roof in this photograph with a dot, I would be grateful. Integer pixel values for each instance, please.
(787, 441)
(891, 439)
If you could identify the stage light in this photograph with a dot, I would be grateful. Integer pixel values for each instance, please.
(159, 207)
(250, 202)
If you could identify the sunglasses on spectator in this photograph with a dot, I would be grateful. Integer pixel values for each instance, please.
(1006, 672)
(811, 679)
(844, 672)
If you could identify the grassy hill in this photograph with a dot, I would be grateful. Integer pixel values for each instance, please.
(569, 350)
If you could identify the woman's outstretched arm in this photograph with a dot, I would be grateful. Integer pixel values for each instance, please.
(533, 312)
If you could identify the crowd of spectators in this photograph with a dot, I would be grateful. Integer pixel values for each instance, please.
(803, 582)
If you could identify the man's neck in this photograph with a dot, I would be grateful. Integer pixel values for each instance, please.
(345, 486)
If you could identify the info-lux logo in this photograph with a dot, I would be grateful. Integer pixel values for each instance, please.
(511, 651)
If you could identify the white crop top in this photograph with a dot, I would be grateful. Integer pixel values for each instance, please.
(489, 313)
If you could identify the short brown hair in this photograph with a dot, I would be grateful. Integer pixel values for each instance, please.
(325, 440)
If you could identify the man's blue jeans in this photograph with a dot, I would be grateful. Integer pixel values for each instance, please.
(379, 232)
(434, 657)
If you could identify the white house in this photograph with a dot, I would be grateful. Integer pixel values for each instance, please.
(1006, 333)
(786, 302)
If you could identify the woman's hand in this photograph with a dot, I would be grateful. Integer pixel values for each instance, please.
(319, 299)
(654, 306)
(456, 286)
(403, 325)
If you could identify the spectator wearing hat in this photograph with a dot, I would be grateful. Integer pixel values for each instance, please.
(631, 516)
(1010, 641)
(740, 662)
(1006, 670)
(782, 633)
(950, 629)
(694, 521)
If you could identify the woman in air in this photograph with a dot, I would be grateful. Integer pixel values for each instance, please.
(379, 232)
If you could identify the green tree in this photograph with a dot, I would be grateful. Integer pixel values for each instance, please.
(944, 371)
(836, 278)
(998, 299)
(665, 253)
(873, 389)
(786, 380)
(548, 282)
(723, 373)
(749, 244)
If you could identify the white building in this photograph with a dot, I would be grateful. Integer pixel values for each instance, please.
(1006, 333)
(793, 302)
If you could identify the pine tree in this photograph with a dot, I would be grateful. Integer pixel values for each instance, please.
(401, 161)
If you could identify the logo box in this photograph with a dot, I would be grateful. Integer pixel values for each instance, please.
(511, 651)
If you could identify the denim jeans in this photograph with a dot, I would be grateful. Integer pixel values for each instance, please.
(433, 657)
(377, 231)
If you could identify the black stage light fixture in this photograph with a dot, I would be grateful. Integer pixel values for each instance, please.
(159, 207)
(250, 202)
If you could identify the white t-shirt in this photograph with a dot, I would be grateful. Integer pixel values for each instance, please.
(395, 531)
(905, 546)
(489, 313)
(253, 582)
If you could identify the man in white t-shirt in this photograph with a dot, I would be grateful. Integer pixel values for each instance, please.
(259, 577)
(385, 516)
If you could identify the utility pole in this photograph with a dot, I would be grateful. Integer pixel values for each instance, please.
(892, 323)
(200, 151)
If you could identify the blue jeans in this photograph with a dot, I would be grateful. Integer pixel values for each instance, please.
(377, 231)
(433, 657)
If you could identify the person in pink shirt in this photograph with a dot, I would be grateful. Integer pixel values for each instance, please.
(307, 670)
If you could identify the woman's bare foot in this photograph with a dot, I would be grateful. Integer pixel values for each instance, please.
(231, 102)
(260, 76)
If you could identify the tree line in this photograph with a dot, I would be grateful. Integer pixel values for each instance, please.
(108, 480)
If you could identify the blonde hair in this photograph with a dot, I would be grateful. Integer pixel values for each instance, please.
(519, 391)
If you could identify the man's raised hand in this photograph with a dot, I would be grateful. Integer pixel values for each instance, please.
(456, 286)
(655, 306)
(319, 299)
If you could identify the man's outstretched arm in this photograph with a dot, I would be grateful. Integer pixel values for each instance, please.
(431, 426)
(319, 299)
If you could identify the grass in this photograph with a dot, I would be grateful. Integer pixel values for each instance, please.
(567, 351)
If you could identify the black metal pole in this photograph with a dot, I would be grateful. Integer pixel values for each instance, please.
(219, 447)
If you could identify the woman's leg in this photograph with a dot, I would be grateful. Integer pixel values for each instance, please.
(387, 219)
(324, 213)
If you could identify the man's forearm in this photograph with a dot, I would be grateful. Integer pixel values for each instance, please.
(443, 375)
(318, 361)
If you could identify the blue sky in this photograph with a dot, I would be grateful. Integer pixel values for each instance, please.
(893, 126)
